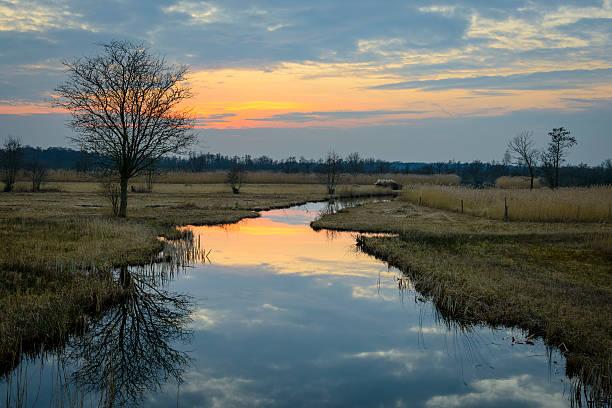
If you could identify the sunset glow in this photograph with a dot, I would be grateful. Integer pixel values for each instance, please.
(263, 73)
(267, 245)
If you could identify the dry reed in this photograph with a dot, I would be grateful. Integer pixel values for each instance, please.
(593, 204)
(517, 182)
(260, 177)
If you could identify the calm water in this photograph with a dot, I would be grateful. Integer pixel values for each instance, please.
(280, 315)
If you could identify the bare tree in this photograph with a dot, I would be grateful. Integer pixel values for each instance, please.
(125, 109)
(332, 165)
(236, 175)
(555, 153)
(110, 190)
(38, 173)
(11, 161)
(150, 176)
(522, 146)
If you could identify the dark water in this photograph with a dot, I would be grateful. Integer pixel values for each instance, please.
(280, 315)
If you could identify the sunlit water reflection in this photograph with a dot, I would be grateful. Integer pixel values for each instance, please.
(286, 316)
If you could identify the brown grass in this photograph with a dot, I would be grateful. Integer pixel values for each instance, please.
(517, 182)
(55, 270)
(256, 177)
(593, 204)
(265, 177)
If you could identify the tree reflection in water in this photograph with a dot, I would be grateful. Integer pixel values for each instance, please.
(129, 350)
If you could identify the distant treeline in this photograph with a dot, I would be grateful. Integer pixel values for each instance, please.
(475, 173)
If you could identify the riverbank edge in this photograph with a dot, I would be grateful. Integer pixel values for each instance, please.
(466, 305)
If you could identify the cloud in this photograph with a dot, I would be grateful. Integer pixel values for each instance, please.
(201, 389)
(301, 117)
(214, 118)
(444, 10)
(519, 390)
(531, 81)
(428, 330)
(24, 16)
(198, 12)
(267, 306)
(204, 319)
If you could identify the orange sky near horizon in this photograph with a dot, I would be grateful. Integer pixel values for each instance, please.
(256, 94)
(246, 95)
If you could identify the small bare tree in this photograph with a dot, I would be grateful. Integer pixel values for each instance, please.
(557, 150)
(125, 106)
(11, 161)
(38, 173)
(111, 190)
(332, 167)
(151, 175)
(236, 175)
(522, 146)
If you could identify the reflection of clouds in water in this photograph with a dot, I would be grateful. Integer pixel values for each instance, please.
(374, 292)
(492, 392)
(204, 319)
(428, 330)
(266, 314)
(221, 392)
(268, 306)
(407, 359)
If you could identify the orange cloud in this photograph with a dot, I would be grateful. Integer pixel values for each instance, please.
(249, 94)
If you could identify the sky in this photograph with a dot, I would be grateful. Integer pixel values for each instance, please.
(395, 80)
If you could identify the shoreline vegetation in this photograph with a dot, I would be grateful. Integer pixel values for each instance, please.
(545, 273)
(552, 279)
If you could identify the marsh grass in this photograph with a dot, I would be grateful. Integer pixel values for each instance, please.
(592, 204)
(517, 182)
(254, 177)
(53, 271)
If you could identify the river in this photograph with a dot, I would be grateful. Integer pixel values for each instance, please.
(275, 314)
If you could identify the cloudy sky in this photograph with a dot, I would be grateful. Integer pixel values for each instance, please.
(398, 80)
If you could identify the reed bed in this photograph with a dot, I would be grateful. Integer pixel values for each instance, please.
(259, 177)
(266, 177)
(517, 182)
(592, 204)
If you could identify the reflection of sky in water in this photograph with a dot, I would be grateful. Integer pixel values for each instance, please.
(289, 317)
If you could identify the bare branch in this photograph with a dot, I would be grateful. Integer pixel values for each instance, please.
(125, 106)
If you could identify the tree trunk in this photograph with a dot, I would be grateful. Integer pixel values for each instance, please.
(123, 198)
(557, 161)
(531, 174)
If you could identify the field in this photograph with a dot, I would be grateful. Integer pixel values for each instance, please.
(553, 279)
(592, 204)
(258, 177)
(517, 182)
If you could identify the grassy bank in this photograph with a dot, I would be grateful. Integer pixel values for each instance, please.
(551, 279)
(55, 270)
(593, 204)
(59, 246)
